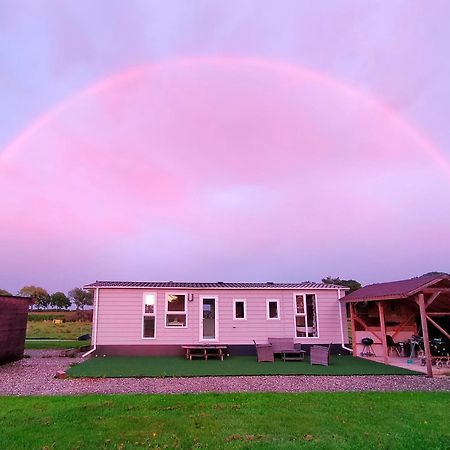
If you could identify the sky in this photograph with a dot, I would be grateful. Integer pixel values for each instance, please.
(223, 141)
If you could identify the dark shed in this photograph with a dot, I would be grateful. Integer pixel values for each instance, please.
(13, 327)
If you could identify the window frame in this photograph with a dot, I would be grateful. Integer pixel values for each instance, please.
(144, 314)
(273, 300)
(244, 301)
(175, 313)
(305, 315)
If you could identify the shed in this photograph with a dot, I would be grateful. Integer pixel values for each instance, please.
(13, 327)
(418, 305)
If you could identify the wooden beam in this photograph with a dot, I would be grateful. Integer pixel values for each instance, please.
(438, 327)
(397, 330)
(426, 339)
(383, 331)
(432, 299)
(352, 317)
(365, 326)
(431, 290)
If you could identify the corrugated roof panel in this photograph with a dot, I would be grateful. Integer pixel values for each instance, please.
(207, 285)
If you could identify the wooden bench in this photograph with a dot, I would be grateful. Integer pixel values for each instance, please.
(288, 350)
(204, 351)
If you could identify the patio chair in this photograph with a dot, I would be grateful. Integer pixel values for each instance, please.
(264, 352)
(320, 354)
(393, 346)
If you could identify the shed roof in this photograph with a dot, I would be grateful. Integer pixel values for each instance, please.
(16, 297)
(395, 289)
(206, 285)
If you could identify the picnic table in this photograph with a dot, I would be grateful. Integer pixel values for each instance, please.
(204, 351)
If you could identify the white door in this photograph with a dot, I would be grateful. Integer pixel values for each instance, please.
(208, 318)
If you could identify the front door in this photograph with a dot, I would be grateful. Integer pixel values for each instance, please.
(208, 319)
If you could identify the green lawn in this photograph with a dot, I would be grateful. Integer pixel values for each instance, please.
(402, 420)
(48, 330)
(172, 366)
(46, 343)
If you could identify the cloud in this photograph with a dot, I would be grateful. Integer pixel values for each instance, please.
(212, 166)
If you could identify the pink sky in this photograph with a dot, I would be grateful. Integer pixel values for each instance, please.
(216, 168)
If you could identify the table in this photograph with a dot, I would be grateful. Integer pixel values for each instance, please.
(293, 355)
(204, 351)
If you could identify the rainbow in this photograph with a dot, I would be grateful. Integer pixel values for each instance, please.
(288, 70)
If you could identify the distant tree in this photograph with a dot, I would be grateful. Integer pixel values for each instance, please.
(4, 292)
(60, 300)
(352, 284)
(39, 294)
(435, 273)
(80, 297)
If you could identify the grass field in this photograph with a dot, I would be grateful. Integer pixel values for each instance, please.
(48, 330)
(42, 344)
(400, 420)
(168, 366)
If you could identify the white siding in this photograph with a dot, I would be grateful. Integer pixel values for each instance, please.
(120, 317)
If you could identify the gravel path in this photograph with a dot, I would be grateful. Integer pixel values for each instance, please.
(35, 376)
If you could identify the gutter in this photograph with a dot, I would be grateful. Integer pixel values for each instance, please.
(342, 325)
(94, 326)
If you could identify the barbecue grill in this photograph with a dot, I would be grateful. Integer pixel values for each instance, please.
(367, 347)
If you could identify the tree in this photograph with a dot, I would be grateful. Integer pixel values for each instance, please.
(435, 273)
(352, 284)
(4, 292)
(80, 297)
(38, 294)
(60, 300)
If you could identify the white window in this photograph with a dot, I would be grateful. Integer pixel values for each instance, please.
(239, 309)
(305, 309)
(273, 309)
(176, 310)
(149, 316)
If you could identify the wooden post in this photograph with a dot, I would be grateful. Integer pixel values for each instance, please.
(383, 331)
(352, 317)
(366, 328)
(426, 340)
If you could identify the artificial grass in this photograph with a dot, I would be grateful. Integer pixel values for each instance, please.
(370, 420)
(173, 366)
(48, 343)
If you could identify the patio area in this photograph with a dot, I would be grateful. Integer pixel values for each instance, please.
(415, 365)
(173, 366)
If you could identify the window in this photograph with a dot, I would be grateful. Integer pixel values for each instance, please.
(273, 309)
(239, 310)
(149, 316)
(176, 313)
(306, 315)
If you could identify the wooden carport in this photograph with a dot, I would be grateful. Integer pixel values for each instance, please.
(398, 305)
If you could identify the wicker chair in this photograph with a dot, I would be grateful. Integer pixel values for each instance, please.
(320, 355)
(264, 352)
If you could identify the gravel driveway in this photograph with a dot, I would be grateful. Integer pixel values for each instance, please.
(35, 376)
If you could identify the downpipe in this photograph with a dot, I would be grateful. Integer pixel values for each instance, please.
(342, 325)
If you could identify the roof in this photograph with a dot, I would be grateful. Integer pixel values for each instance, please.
(393, 289)
(216, 285)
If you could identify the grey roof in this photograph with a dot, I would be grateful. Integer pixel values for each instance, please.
(216, 285)
(394, 289)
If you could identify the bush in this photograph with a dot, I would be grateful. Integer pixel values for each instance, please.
(41, 317)
(67, 316)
